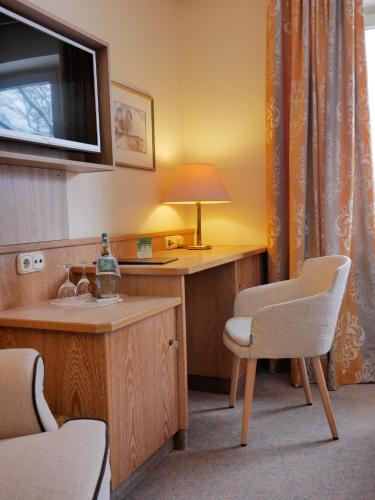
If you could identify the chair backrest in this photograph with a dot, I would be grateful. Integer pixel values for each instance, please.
(323, 274)
(23, 409)
(327, 277)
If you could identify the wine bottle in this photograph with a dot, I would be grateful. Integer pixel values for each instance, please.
(107, 271)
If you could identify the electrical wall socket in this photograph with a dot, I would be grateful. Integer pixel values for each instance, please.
(30, 262)
(38, 261)
(176, 241)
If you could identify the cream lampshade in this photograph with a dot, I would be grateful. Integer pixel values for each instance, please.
(198, 183)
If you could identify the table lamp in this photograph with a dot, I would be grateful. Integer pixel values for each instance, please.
(197, 183)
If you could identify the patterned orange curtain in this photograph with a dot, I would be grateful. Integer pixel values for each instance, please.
(320, 183)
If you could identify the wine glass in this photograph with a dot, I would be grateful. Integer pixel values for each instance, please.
(83, 285)
(67, 289)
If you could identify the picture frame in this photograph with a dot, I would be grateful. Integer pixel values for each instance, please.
(134, 134)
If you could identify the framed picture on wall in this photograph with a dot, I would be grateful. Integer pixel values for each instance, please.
(133, 113)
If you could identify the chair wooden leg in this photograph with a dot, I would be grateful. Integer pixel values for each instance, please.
(249, 389)
(234, 380)
(320, 380)
(305, 380)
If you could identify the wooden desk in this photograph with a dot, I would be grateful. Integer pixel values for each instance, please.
(206, 281)
(117, 362)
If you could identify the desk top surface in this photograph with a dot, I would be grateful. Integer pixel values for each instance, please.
(190, 261)
(48, 316)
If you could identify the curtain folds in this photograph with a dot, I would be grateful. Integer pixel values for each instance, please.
(320, 183)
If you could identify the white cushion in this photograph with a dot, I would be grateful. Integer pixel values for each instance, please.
(68, 464)
(239, 330)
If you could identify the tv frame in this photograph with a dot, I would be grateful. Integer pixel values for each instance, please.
(54, 141)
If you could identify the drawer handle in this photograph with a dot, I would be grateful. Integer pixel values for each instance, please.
(171, 341)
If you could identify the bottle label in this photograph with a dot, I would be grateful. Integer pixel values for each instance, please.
(107, 265)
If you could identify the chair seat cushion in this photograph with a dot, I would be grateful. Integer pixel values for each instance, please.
(67, 464)
(239, 330)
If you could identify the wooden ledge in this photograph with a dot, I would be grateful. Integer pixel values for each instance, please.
(47, 316)
(45, 245)
(189, 261)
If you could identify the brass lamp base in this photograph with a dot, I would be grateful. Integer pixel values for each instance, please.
(199, 247)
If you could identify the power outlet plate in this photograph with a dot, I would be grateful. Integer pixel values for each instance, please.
(176, 241)
(38, 261)
(30, 262)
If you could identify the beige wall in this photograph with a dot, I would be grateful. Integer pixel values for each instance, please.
(142, 35)
(203, 61)
(223, 82)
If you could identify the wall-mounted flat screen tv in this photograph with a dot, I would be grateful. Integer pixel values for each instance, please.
(48, 87)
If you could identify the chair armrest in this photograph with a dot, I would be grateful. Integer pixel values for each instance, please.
(294, 329)
(248, 301)
(71, 463)
(23, 409)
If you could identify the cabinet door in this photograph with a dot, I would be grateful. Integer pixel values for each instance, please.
(143, 361)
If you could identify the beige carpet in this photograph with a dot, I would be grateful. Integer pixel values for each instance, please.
(290, 453)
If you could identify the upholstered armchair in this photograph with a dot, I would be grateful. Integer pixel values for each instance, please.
(38, 460)
(288, 319)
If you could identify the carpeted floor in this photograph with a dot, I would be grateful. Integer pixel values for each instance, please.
(290, 453)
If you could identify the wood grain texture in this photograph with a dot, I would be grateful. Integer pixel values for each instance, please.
(322, 386)
(55, 23)
(33, 204)
(96, 320)
(42, 156)
(128, 377)
(166, 286)
(251, 368)
(106, 155)
(305, 380)
(144, 392)
(195, 261)
(234, 380)
(67, 164)
(157, 241)
(209, 304)
(249, 272)
(18, 290)
(295, 373)
(75, 382)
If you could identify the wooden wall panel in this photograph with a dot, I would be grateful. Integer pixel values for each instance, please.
(33, 205)
(17, 290)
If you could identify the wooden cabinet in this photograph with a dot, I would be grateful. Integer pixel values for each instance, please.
(117, 362)
(144, 390)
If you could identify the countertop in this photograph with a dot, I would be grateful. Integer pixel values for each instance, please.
(48, 316)
(189, 261)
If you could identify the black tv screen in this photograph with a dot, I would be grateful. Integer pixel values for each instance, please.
(48, 87)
